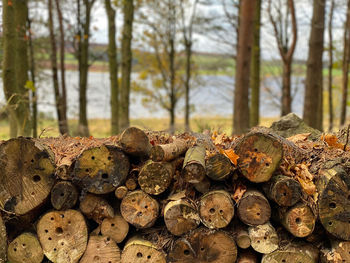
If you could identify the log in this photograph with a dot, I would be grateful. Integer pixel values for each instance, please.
(180, 217)
(242, 237)
(193, 169)
(3, 241)
(63, 235)
(170, 151)
(25, 249)
(100, 170)
(259, 156)
(116, 228)
(292, 252)
(155, 177)
(121, 192)
(64, 195)
(135, 142)
(340, 252)
(101, 249)
(203, 186)
(264, 238)
(253, 208)
(131, 184)
(216, 209)
(138, 250)
(96, 208)
(299, 219)
(247, 256)
(284, 190)
(334, 201)
(27, 169)
(218, 167)
(139, 209)
(204, 246)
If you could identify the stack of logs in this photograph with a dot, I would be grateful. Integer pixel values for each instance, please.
(150, 197)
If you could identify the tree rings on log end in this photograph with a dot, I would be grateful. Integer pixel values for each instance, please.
(25, 249)
(138, 250)
(64, 195)
(117, 228)
(218, 167)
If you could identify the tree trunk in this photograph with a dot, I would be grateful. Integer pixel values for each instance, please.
(241, 95)
(172, 68)
(188, 48)
(255, 69)
(330, 66)
(113, 67)
(128, 10)
(286, 88)
(313, 101)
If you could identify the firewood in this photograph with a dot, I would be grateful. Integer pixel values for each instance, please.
(116, 228)
(155, 177)
(253, 208)
(180, 217)
(135, 142)
(63, 235)
(121, 192)
(138, 250)
(194, 164)
(139, 209)
(64, 195)
(284, 190)
(203, 186)
(216, 209)
(170, 151)
(264, 238)
(218, 167)
(204, 246)
(242, 237)
(27, 175)
(3, 241)
(299, 219)
(334, 201)
(131, 184)
(247, 256)
(340, 252)
(25, 249)
(296, 253)
(259, 156)
(96, 207)
(100, 170)
(101, 249)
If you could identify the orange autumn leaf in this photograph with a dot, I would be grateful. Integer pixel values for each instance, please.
(332, 141)
(232, 156)
(239, 192)
(305, 179)
(9, 3)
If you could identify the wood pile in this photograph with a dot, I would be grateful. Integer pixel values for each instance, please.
(152, 197)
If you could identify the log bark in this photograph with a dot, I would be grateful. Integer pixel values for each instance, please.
(101, 249)
(284, 190)
(121, 192)
(25, 249)
(155, 177)
(340, 252)
(180, 217)
(334, 201)
(264, 238)
(253, 209)
(139, 209)
(96, 208)
(27, 175)
(204, 246)
(135, 142)
(193, 169)
(116, 228)
(216, 209)
(3, 241)
(138, 250)
(170, 151)
(63, 235)
(64, 195)
(299, 219)
(260, 155)
(242, 237)
(100, 170)
(218, 167)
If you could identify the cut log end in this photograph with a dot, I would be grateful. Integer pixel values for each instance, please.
(116, 228)
(168, 152)
(242, 236)
(264, 238)
(138, 250)
(194, 165)
(96, 208)
(64, 195)
(135, 142)
(25, 249)
(218, 167)
(121, 192)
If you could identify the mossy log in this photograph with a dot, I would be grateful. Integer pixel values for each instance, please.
(264, 238)
(135, 142)
(25, 249)
(170, 151)
(299, 219)
(139, 209)
(64, 195)
(101, 249)
(284, 190)
(121, 192)
(194, 164)
(3, 241)
(339, 252)
(117, 228)
(260, 155)
(155, 177)
(204, 246)
(63, 235)
(138, 250)
(96, 208)
(218, 167)
(253, 208)
(216, 209)
(27, 169)
(241, 235)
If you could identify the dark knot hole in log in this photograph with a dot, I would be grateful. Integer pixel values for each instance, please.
(36, 178)
(105, 176)
(186, 252)
(139, 213)
(112, 225)
(330, 223)
(298, 220)
(202, 248)
(59, 230)
(212, 210)
(332, 205)
(139, 255)
(148, 257)
(92, 157)
(15, 249)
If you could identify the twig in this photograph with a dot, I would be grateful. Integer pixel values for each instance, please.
(347, 137)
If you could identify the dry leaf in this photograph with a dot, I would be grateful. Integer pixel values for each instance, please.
(332, 141)
(232, 156)
(239, 192)
(299, 137)
(305, 179)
